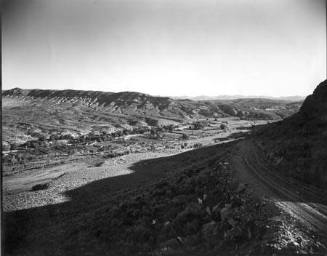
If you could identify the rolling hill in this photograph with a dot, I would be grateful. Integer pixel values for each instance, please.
(86, 111)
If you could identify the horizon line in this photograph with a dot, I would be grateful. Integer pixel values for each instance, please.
(234, 96)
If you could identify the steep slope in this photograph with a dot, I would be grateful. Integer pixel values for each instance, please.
(298, 145)
(184, 204)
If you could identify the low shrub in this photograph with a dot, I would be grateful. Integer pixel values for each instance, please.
(40, 187)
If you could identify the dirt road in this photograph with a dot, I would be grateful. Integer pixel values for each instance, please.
(305, 203)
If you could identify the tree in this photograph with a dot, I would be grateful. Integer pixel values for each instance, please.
(223, 126)
(184, 136)
(198, 125)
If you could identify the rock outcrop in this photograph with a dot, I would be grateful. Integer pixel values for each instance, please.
(298, 144)
(314, 107)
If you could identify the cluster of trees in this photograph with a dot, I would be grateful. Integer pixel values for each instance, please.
(69, 143)
(66, 144)
(198, 125)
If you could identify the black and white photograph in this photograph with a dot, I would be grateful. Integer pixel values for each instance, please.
(163, 127)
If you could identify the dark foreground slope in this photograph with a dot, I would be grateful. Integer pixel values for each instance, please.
(297, 146)
(186, 204)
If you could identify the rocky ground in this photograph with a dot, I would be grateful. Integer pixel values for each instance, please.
(19, 193)
(191, 203)
(299, 213)
(188, 204)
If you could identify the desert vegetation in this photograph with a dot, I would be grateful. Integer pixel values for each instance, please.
(196, 210)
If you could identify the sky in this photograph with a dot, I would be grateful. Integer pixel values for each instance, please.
(165, 47)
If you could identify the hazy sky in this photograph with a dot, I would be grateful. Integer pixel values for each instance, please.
(166, 47)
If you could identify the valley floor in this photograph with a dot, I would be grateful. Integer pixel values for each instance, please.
(60, 179)
(47, 184)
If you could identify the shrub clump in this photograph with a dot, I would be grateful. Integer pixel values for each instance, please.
(194, 210)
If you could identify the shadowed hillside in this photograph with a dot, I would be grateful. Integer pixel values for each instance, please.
(298, 145)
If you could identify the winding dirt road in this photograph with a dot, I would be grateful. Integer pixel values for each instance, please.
(307, 204)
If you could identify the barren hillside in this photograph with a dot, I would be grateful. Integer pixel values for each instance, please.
(82, 112)
(298, 145)
(134, 103)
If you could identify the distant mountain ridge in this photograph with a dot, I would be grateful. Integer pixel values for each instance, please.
(102, 94)
(234, 97)
(139, 104)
